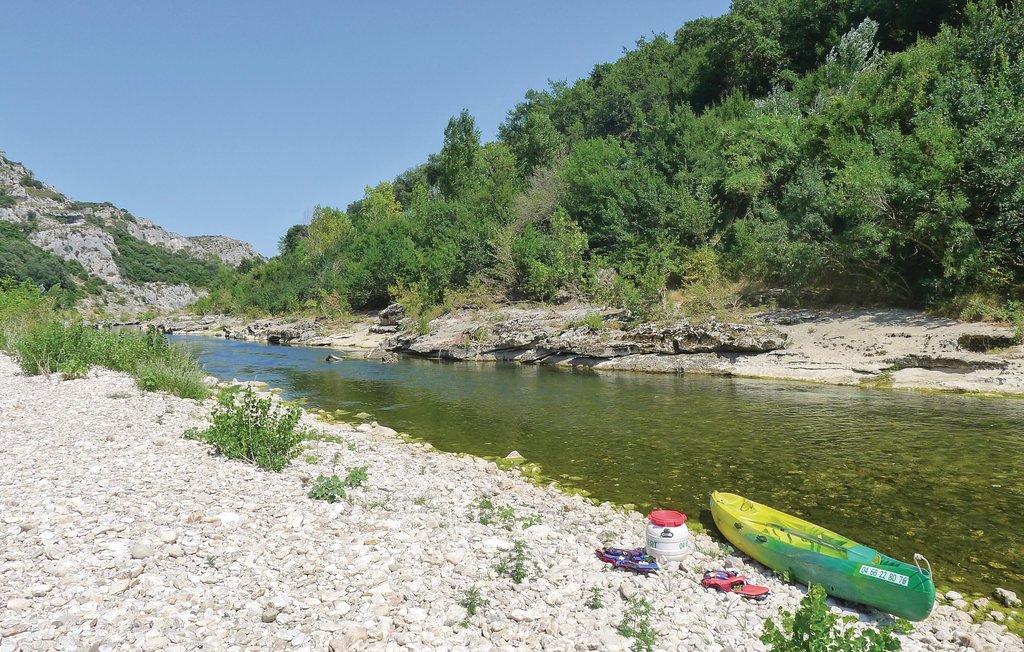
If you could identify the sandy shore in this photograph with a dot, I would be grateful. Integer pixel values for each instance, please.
(119, 534)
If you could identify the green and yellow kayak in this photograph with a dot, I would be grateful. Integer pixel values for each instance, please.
(814, 555)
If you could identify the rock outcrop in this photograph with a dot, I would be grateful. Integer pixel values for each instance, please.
(538, 336)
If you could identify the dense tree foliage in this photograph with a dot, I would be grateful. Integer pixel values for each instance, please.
(844, 148)
(142, 262)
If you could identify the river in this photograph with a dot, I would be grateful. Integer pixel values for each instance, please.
(902, 472)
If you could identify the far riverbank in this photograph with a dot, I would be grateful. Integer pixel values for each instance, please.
(878, 348)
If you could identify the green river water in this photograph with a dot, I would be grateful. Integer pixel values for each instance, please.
(902, 472)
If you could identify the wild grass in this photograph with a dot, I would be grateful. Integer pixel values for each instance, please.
(44, 340)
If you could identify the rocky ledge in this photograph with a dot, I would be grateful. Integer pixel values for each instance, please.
(304, 331)
(583, 337)
(120, 534)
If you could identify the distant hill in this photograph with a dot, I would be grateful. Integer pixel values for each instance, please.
(101, 256)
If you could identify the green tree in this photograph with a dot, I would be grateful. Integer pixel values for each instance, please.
(457, 162)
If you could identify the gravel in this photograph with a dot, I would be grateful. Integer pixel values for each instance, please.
(120, 534)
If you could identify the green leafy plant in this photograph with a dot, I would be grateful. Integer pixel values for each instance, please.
(636, 624)
(487, 513)
(356, 476)
(515, 562)
(28, 181)
(472, 602)
(594, 600)
(252, 429)
(329, 488)
(72, 369)
(814, 628)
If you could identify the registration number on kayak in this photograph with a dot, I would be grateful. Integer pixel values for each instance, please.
(888, 576)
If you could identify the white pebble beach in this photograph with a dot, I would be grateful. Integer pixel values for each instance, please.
(120, 534)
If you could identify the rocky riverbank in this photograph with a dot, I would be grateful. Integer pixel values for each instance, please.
(874, 348)
(879, 348)
(120, 534)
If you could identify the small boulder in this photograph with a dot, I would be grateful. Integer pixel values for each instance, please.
(391, 315)
(1008, 598)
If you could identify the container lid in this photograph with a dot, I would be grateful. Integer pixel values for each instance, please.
(666, 518)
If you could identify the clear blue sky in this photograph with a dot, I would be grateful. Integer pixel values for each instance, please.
(236, 118)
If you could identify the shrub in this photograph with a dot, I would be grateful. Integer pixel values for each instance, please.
(177, 373)
(43, 344)
(253, 430)
(6, 201)
(814, 628)
(143, 262)
(28, 181)
(593, 322)
(74, 369)
(21, 303)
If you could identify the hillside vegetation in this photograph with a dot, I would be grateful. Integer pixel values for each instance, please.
(846, 150)
(21, 260)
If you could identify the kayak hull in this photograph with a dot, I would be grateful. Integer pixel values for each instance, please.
(814, 555)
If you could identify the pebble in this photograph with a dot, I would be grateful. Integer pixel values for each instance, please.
(269, 615)
(224, 543)
(141, 551)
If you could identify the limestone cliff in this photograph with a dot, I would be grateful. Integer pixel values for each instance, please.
(88, 232)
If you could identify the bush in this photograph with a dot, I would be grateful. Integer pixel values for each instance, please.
(143, 262)
(6, 201)
(253, 430)
(814, 628)
(28, 181)
(20, 304)
(24, 261)
(42, 343)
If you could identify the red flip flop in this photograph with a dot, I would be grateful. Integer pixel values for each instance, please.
(732, 582)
